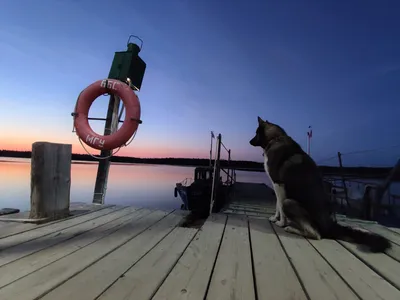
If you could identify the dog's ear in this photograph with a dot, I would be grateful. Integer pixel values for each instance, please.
(260, 121)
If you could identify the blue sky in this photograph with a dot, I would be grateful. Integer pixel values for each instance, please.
(211, 65)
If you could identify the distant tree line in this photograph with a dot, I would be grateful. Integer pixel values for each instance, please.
(359, 172)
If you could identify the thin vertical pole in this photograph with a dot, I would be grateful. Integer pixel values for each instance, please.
(216, 175)
(309, 136)
(343, 180)
(111, 126)
(211, 142)
(229, 166)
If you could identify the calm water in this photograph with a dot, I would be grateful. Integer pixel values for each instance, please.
(138, 185)
(129, 184)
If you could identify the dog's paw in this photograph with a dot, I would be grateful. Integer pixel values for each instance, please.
(281, 223)
(273, 218)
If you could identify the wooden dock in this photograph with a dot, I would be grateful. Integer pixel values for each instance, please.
(115, 252)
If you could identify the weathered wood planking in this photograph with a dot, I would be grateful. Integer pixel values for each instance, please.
(37, 284)
(9, 228)
(319, 279)
(364, 281)
(381, 263)
(274, 275)
(393, 236)
(394, 251)
(246, 213)
(394, 229)
(146, 276)
(233, 276)
(30, 235)
(93, 281)
(142, 254)
(31, 263)
(189, 278)
(21, 250)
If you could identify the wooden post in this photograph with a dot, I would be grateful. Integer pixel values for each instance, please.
(104, 164)
(367, 203)
(343, 180)
(50, 180)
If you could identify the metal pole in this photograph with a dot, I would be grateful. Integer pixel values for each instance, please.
(212, 135)
(229, 165)
(343, 180)
(309, 136)
(104, 164)
(215, 183)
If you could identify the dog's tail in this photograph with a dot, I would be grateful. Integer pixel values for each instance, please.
(375, 242)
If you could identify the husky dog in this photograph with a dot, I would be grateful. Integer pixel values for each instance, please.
(302, 206)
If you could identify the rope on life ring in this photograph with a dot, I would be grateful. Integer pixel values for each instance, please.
(124, 135)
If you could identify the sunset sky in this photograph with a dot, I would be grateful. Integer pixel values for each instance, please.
(211, 65)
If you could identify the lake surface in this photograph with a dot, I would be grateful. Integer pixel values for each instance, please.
(128, 184)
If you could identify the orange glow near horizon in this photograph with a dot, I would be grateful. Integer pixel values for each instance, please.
(86, 173)
(139, 151)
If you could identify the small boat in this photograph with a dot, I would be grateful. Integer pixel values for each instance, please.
(196, 193)
(8, 211)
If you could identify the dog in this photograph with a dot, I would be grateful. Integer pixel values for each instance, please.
(302, 205)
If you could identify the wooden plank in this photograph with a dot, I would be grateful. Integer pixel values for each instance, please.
(394, 251)
(274, 275)
(8, 228)
(27, 236)
(264, 206)
(319, 279)
(249, 203)
(42, 281)
(364, 281)
(233, 276)
(75, 208)
(91, 283)
(381, 263)
(394, 237)
(243, 213)
(11, 254)
(394, 229)
(143, 279)
(249, 208)
(190, 276)
(29, 264)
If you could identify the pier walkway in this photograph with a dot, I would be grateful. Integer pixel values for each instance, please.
(114, 252)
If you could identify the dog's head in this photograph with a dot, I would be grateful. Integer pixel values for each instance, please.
(266, 132)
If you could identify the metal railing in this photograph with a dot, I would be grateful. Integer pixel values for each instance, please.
(187, 181)
(365, 196)
(350, 195)
(217, 179)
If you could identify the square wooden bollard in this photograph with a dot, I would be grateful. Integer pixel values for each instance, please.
(50, 180)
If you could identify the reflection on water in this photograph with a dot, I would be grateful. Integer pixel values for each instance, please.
(138, 185)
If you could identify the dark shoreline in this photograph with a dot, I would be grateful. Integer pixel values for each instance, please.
(251, 166)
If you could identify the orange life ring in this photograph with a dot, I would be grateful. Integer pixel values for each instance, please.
(132, 114)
